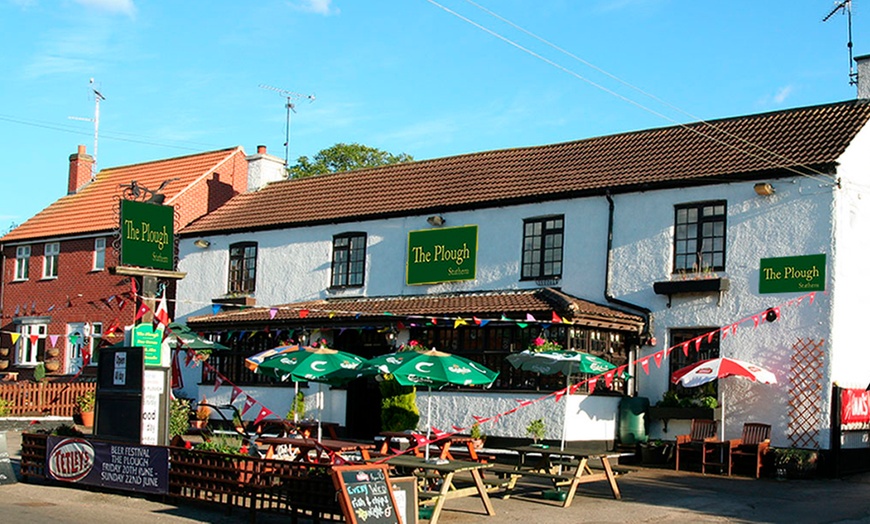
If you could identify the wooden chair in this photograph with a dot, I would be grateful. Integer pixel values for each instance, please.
(752, 446)
(693, 444)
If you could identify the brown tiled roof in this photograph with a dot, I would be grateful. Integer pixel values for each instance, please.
(540, 303)
(93, 207)
(743, 147)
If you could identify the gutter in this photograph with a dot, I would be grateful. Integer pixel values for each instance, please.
(644, 312)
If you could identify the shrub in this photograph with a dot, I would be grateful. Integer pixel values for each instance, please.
(297, 407)
(85, 402)
(179, 413)
(398, 406)
(536, 429)
(4, 407)
(230, 446)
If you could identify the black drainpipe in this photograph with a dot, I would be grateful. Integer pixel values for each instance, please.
(645, 313)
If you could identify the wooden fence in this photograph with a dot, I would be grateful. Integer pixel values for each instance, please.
(57, 399)
(296, 489)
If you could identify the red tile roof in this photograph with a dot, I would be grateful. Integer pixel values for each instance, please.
(487, 305)
(93, 207)
(764, 145)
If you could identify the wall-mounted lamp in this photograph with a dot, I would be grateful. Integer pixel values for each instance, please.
(436, 220)
(764, 189)
(201, 243)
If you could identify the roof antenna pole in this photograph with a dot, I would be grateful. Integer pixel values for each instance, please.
(96, 120)
(846, 7)
(290, 96)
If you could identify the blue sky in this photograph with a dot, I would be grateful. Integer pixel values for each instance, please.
(430, 78)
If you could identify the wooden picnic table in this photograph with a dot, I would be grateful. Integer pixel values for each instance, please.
(563, 468)
(391, 442)
(445, 472)
(306, 428)
(304, 447)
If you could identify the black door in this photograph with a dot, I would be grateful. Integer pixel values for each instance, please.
(363, 417)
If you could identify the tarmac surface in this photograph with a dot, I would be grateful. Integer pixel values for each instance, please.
(649, 495)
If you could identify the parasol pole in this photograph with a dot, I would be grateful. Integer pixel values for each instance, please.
(428, 420)
(565, 415)
(293, 405)
(319, 411)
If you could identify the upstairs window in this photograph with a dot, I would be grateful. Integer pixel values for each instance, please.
(49, 264)
(701, 346)
(22, 262)
(542, 247)
(99, 254)
(348, 260)
(243, 267)
(699, 237)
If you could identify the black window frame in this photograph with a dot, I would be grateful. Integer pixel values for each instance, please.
(708, 346)
(700, 242)
(243, 277)
(535, 269)
(352, 267)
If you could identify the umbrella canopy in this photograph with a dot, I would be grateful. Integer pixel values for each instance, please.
(304, 363)
(550, 362)
(432, 368)
(180, 335)
(553, 361)
(711, 369)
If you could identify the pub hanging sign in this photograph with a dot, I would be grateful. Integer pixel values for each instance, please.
(792, 274)
(442, 255)
(147, 237)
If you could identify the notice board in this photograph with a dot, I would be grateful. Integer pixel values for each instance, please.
(120, 379)
(366, 494)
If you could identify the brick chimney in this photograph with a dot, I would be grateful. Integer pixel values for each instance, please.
(81, 170)
(263, 169)
(863, 76)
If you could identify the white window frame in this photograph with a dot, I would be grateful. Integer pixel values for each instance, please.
(96, 340)
(28, 354)
(50, 260)
(22, 262)
(99, 254)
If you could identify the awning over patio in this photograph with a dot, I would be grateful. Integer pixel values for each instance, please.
(514, 305)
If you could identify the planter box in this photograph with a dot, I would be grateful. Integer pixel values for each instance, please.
(680, 287)
(235, 301)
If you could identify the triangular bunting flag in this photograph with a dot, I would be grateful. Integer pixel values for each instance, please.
(755, 320)
(698, 344)
(592, 383)
(303, 313)
(272, 312)
(218, 380)
(459, 322)
(264, 412)
(559, 394)
(188, 358)
(133, 287)
(480, 420)
(139, 314)
(235, 394)
(530, 318)
(249, 403)
(522, 325)
(686, 348)
(161, 316)
(556, 318)
(644, 364)
(476, 321)
(53, 340)
(14, 337)
(215, 309)
(35, 338)
(608, 379)
(484, 322)
(657, 357)
(812, 296)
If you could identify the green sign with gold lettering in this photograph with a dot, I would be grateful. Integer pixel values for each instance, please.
(792, 274)
(442, 255)
(150, 340)
(147, 235)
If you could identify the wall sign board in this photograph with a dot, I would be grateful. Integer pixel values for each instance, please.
(792, 274)
(446, 254)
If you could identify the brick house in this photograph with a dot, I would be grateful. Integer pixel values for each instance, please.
(60, 294)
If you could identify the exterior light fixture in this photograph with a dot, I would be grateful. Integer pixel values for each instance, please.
(436, 220)
(201, 243)
(764, 189)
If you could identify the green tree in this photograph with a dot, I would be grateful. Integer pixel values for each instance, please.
(344, 157)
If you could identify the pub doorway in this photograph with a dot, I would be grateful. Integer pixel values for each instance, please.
(363, 417)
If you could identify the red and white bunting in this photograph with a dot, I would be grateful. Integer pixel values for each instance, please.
(249, 403)
(218, 381)
(657, 357)
(264, 412)
(235, 394)
(644, 364)
(686, 348)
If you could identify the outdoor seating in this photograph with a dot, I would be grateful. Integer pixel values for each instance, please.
(752, 446)
(692, 445)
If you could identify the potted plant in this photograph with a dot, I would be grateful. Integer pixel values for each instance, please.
(536, 430)
(655, 452)
(85, 406)
(795, 463)
(478, 436)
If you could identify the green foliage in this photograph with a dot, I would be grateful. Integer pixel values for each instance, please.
(344, 157)
(671, 399)
(228, 445)
(66, 430)
(85, 402)
(179, 413)
(794, 457)
(297, 408)
(477, 432)
(39, 372)
(398, 406)
(542, 344)
(536, 429)
(4, 407)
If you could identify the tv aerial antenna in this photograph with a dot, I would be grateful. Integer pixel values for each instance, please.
(846, 7)
(98, 97)
(290, 96)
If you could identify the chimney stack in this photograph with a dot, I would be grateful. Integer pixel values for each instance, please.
(863, 76)
(263, 169)
(81, 170)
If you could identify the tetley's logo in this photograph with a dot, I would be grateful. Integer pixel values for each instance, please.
(71, 460)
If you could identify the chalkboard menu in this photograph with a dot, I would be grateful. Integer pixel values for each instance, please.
(366, 494)
(7, 476)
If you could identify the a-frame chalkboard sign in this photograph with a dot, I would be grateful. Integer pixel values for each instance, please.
(365, 494)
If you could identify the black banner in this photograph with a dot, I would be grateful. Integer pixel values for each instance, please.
(143, 469)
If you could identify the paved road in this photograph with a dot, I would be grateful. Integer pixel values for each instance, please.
(649, 496)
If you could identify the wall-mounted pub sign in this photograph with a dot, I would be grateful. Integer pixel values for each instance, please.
(147, 235)
(792, 274)
(442, 255)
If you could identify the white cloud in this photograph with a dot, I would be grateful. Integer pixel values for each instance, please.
(124, 7)
(320, 7)
(782, 94)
